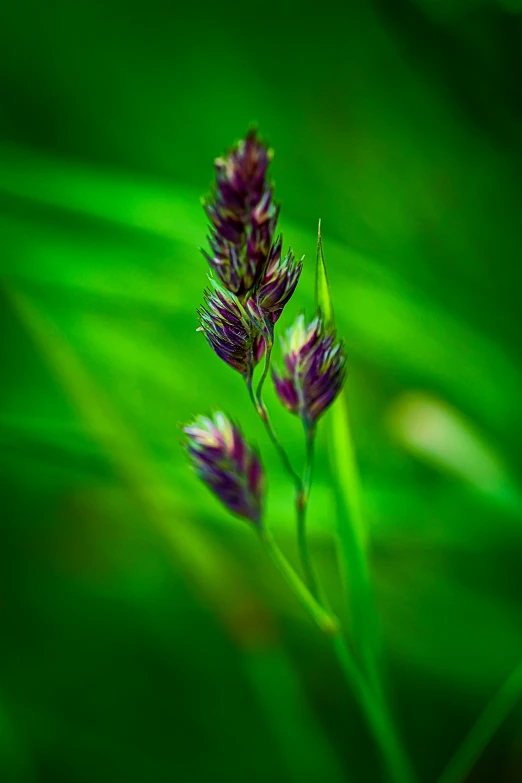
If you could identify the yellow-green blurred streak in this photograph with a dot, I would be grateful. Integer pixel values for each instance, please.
(55, 182)
(438, 434)
(214, 575)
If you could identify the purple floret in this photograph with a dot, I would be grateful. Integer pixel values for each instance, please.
(227, 464)
(314, 369)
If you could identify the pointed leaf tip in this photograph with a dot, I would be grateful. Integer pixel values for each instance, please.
(323, 298)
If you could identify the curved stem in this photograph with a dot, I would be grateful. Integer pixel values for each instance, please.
(257, 399)
(263, 414)
(326, 622)
(302, 486)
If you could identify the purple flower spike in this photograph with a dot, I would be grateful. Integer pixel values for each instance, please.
(280, 278)
(314, 369)
(243, 216)
(229, 331)
(227, 464)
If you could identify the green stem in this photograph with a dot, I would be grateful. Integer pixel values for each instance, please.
(480, 734)
(301, 505)
(369, 697)
(302, 486)
(395, 759)
(326, 622)
(380, 725)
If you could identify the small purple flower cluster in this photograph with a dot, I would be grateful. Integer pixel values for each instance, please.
(238, 316)
(315, 369)
(227, 464)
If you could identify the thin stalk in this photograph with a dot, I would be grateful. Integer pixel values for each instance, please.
(481, 733)
(325, 621)
(302, 485)
(262, 411)
(257, 400)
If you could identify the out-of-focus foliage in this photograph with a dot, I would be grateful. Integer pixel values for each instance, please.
(143, 634)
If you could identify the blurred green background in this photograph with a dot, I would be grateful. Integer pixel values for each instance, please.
(143, 635)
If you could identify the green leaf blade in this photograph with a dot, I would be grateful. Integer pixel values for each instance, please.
(352, 535)
(343, 453)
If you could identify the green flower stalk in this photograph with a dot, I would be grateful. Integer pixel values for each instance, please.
(314, 373)
(255, 281)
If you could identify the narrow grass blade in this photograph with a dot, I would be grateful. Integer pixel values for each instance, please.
(351, 530)
(352, 541)
(343, 462)
(322, 289)
(482, 732)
